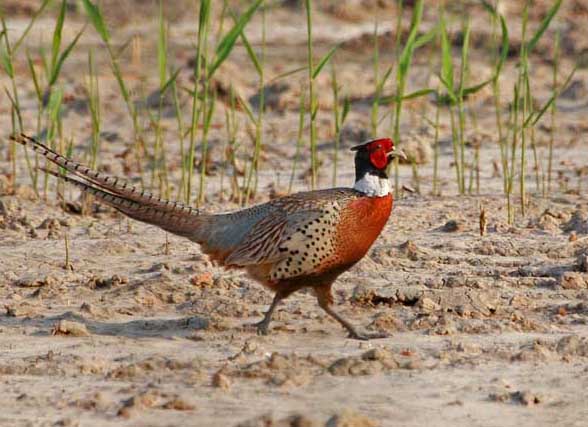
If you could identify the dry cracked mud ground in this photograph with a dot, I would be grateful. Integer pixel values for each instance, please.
(142, 330)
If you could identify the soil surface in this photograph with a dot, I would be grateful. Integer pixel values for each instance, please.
(140, 329)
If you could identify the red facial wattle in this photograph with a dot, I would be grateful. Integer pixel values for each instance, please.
(379, 150)
(379, 159)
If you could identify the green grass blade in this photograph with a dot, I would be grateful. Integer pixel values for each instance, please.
(288, 73)
(12, 101)
(426, 38)
(209, 113)
(325, 59)
(43, 55)
(169, 82)
(446, 60)
(117, 53)
(97, 20)
(314, 110)
(417, 14)
(505, 46)
(33, 72)
(543, 26)
(6, 62)
(406, 55)
(250, 51)
(464, 57)
(54, 104)
(63, 57)
(534, 118)
(203, 14)
(162, 47)
(384, 79)
(228, 42)
(418, 93)
(56, 45)
(489, 7)
(476, 88)
(5, 52)
(389, 99)
(30, 25)
(245, 105)
(449, 88)
(122, 85)
(346, 109)
(447, 85)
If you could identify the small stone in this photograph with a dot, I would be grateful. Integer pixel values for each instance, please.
(50, 224)
(427, 304)
(160, 266)
(526, 398)
(88, 308)
(573, 280)
(124, 412)
(220, 380)
(32, 281)
(375, 354)
(140, 401)
(71, 328)
(578, 222)
(3, 208)
(583, 263)
(413, 364)
(452, 226)
(266, 420)
(410, 249)
(18, 310)
(348, 418)
(572, 345)
(178, 404)
(202, 280)
(96, 282)
(66, 422)
(26, 192)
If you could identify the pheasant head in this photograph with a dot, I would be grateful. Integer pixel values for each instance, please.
(371, 163)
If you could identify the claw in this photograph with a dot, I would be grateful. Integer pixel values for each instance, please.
(366, 336)
(262, 327)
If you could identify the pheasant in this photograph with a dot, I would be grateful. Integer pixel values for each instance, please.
(302, 240)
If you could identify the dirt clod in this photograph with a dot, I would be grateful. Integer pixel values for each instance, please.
(452, 226)
(267, 420)
(350, 418)
(220, 380)
(573, 280)
(70, 328)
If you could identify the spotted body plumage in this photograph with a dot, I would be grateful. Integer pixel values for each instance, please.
(309, 246)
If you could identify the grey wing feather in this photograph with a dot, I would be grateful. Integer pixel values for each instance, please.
(264, 242)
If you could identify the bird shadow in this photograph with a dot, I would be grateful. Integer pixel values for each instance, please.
(139, 328)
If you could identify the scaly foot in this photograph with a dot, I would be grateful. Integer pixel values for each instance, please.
(262, 327)
(366, 336)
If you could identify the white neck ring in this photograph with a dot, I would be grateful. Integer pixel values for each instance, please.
(373, 186)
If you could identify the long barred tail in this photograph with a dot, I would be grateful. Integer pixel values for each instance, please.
(171, 216)
(108, 183)
(181, 225)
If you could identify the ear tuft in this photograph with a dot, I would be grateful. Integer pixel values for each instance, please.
(386, 142)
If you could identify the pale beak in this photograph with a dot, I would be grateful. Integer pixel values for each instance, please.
(397, 153)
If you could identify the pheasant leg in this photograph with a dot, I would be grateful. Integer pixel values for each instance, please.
(262, 327)
(325, 299)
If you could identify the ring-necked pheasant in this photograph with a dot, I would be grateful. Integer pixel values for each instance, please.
(302, 240)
